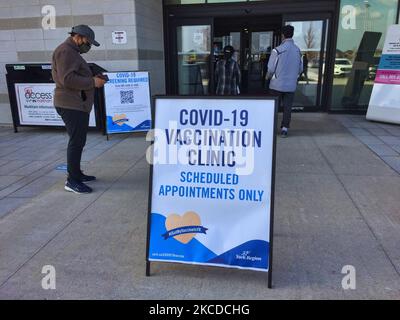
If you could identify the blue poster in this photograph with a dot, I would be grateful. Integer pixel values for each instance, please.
(211, 187)
(127, 102)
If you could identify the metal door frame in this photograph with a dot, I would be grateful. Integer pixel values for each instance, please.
(205, 13)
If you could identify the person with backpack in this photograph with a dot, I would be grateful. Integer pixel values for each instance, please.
(284, 67)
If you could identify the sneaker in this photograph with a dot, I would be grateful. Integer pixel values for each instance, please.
(284, 134)
(77, 187)
(85, 178)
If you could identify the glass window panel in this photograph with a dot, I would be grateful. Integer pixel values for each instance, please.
(194, 49)
(261, 42)
(361, 35)
(308, 36)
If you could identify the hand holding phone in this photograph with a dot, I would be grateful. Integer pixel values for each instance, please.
(103, 77)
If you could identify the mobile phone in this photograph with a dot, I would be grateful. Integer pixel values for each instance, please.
(103, 76)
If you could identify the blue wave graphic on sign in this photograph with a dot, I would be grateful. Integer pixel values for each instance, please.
(252, 254)
(145, 125)
(113, 127)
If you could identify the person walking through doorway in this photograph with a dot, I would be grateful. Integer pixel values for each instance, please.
(284, 67)
(227, 74)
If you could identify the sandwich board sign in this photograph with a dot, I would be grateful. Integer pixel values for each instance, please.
(384, 104)
(127, 102)
(212, 182)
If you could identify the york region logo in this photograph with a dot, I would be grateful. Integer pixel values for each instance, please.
(119, 119)
(245, 255)
(183, 228)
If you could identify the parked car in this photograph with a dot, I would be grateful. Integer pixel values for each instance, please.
(343, 67)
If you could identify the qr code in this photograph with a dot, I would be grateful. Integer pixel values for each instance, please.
(127, 97)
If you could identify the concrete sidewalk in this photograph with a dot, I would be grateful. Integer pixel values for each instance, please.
(337, 204)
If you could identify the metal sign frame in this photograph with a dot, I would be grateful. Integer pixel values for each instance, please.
(272, 199)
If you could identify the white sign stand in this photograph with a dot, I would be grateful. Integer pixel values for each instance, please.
(384, 104)
(127, 102)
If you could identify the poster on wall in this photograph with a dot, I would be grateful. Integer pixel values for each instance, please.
(36, 106)
(127, 102)
(212, 185)
(384, 104)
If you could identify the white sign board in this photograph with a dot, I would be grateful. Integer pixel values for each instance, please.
(384, 104)
(212, 186)
(36, 105)
(119, 37)
(127, 102)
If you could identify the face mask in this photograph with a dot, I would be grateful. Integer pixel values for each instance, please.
(84, 47)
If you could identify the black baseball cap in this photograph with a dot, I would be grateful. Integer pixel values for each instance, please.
(85, 31)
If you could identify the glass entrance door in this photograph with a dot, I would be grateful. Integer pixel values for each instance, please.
(253, 39)
(191, 65)
(310, 37)
(194, 46)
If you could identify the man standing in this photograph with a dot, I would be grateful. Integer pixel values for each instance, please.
(227, 74)
(73, 99)
(284, 67)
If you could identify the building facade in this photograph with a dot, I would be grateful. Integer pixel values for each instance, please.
(179, 42)
(28, 36)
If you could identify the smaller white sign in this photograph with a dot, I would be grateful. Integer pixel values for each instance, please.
(198, 38)
(127, 102)
(119, 37)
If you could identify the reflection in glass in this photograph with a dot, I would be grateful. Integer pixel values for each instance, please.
(194, 48)
(361, 35)
(257, 60)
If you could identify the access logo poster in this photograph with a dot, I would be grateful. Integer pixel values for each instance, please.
(212, 163)
(35, 103)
